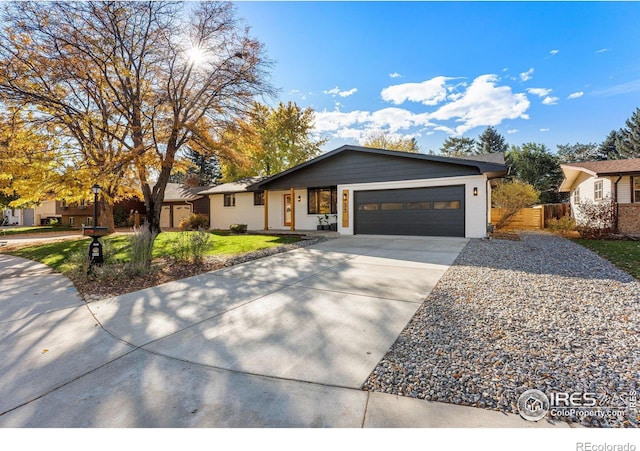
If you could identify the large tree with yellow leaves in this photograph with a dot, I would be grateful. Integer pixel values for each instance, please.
(126, 85)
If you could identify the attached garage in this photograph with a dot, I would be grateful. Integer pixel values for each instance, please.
(382, 192)
(436, 211)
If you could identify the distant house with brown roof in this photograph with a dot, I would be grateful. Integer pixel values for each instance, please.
(180, 201)
(609, 180)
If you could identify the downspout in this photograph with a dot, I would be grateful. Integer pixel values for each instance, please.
(615, 199)
(487, 206)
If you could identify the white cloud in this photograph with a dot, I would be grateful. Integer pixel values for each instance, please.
(602, 50)
(395, 75)
(336, 92)
(624, 88)
(549, 100)
(331, 121)
(540, 92)
(462, 107)
(484, 104)
(554, 52)
(575, 95)
(526, 76)
(428, 92)
(545, 129)
(512, 131)
(390, 119)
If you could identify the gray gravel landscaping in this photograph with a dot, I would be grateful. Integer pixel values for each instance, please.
(508, 316)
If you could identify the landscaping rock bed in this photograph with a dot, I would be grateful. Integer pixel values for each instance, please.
(509, 316)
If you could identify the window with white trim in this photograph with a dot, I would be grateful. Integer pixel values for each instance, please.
(576, 196)
(597, 190)
(230, 200)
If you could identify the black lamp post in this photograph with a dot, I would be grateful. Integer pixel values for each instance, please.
(96, 190)
(95, 248)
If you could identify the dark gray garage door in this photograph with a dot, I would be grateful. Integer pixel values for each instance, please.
(435, 211)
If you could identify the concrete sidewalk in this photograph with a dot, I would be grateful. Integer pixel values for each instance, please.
(284, 341)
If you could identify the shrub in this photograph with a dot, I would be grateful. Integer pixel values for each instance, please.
(512, 197)
(141, 242)
(595, 220)
(54, 222)
(194, 221)
(198, 244)
(563, 226)
(191, 246)
(238, 228)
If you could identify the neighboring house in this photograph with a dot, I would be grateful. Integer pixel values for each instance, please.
(17, 216)
(610, 180)
(77, 214)
(68, 214)
(180, 201)
(367, 191)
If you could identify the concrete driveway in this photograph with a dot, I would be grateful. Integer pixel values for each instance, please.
(284, 341)
(324, 314)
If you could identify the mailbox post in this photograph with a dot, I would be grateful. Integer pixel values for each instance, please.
(95, 247)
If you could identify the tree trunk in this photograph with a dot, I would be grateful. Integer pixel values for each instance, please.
(105, 217)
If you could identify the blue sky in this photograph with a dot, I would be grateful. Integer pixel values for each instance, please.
(552, 73)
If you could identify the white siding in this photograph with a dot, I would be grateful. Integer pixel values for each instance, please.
(624, 190)
(244, 212)
(304, 221)
(586, 184)
(475, 206)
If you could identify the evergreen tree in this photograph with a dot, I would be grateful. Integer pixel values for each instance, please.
(458, 146)
(608, 149)
(574, 153)
(490, 141)
(197, 169)
(534, 164)
(629, 140)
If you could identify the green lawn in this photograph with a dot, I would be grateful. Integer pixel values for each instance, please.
(6, 231)
(624, 254)
(57, 255)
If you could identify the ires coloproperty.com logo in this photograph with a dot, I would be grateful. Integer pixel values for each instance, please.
(534, 405)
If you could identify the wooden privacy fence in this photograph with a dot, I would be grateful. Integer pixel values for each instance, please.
(555, 211)
(527, 218)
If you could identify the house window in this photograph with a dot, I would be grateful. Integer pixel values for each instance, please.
(230, 200)
(90, 221)
(71, 221)
(576, 196)
(322, 201)
(258, 198)
(597, 190)
(636, 189)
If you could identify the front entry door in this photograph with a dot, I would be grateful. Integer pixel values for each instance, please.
(287, 209)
